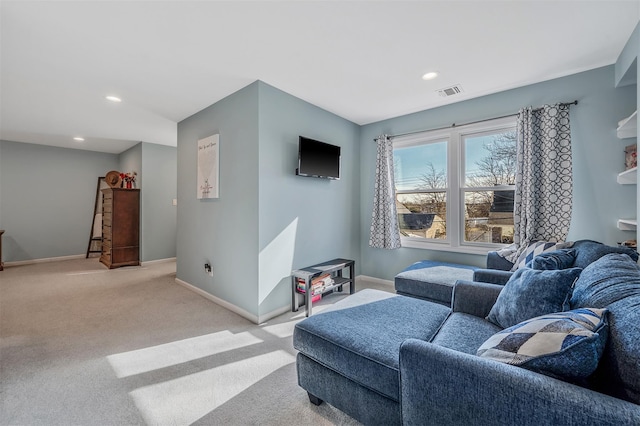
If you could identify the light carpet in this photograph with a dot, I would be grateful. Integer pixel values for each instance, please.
(83, 345)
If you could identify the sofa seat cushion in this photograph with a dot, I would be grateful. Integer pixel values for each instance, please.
(613, 282)
(360, 336)
(431, 280)
(464, 333)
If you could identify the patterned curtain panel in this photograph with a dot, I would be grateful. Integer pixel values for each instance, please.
(384, 224)
(544, 183)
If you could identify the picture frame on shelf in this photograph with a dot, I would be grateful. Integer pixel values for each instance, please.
(630, 156)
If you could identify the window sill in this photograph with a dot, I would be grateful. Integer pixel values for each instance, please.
(481, 250)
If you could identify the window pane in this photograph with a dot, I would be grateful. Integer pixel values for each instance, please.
(488, 217)
(490, 159)
(423, 215)
(421, 167)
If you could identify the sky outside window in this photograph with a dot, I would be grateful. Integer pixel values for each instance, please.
(410, 162)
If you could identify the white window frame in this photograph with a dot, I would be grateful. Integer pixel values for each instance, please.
(454, 137)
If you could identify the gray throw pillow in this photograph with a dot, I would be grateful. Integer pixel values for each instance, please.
(566, 345)
(530, 293)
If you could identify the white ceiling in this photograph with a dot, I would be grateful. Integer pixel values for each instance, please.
(362, 60)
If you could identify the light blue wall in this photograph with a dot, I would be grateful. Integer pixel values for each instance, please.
(626, 67)
(302, 220)
(159, 170)
(223, 231)
(48, 196)
(597, 158)
(267, 220)
(156, 168)
(131, 161)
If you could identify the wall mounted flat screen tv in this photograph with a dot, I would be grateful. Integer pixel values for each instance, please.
(318, 159)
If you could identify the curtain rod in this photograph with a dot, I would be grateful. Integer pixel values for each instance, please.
(472, 122)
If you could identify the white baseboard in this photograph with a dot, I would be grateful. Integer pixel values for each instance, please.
(218, 301)
(374, 280)
(273, 314)
(233, 308)
(152, 262)
(44, 260)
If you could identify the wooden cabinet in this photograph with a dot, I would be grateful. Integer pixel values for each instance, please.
(120, 227)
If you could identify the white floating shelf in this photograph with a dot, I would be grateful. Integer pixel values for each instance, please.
(628, 128)
(628, 177)
(627, 224)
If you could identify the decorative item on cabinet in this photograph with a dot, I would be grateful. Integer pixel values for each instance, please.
(113, 179)
(120, 227)
(128, 180)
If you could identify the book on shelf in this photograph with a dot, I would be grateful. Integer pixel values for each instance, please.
(318, 284)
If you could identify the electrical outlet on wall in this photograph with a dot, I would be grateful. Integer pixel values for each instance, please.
(208, 269)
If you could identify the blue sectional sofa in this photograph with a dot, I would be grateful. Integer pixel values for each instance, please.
(390, 359)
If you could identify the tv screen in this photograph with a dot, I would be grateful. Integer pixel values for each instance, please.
(318, 159)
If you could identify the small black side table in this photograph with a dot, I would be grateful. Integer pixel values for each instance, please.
(333, 267)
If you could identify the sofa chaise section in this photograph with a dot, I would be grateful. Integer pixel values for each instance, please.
(348, 355)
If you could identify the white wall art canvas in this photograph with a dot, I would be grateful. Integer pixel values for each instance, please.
(208, 167)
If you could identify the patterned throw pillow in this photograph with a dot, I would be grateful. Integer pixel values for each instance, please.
(530, 293)
(536, 248)
(566, 345)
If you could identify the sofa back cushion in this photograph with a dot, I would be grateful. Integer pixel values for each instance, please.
(496, 261)
(552, 260)
(588, 251)
(613, 282)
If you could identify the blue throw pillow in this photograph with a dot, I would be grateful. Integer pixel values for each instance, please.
(566, 345)
(557, 259)
(530, 293)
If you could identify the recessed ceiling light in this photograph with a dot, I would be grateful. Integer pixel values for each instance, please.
(78, 139)
(113, 98)
(430, 75)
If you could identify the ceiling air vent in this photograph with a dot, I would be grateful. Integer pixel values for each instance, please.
(450, 91)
